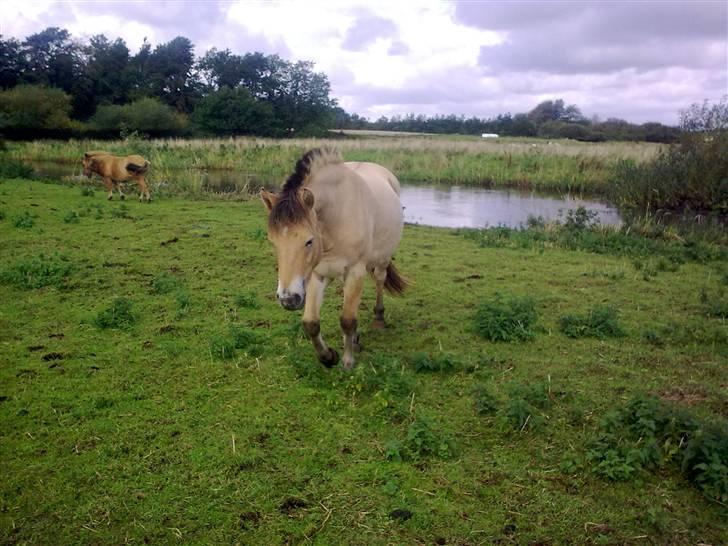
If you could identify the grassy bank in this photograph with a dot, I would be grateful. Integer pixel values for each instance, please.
(151, 389)
(564, 166)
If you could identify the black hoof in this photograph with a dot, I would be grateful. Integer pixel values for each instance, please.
(331, 359)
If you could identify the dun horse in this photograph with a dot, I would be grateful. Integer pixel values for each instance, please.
(335, 220)
(114, 170)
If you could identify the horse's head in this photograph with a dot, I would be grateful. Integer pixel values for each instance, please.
(293, 230)
(90, 162)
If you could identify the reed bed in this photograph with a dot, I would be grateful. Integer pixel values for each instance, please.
(561, 166)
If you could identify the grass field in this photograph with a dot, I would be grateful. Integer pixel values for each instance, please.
(178, 165)
(152, 390)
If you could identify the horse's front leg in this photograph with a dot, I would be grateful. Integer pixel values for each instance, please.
(312, 320)
(353, 285)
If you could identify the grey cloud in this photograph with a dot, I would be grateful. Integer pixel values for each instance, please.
(366, 30)
(601, 37)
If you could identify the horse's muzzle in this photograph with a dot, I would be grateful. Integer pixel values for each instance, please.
(292, 302)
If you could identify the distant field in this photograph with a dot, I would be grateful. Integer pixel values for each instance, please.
(153, 391)
(559, 166)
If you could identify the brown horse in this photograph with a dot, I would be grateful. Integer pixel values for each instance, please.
(115, 169)
(335, 220)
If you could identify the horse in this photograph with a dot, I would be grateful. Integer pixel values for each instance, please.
(115, 169)
(335, 219)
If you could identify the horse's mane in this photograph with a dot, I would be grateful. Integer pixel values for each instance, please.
(289, 209)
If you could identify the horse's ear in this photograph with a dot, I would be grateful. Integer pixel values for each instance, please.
(86, 155)
(269, 199)
(307, 197)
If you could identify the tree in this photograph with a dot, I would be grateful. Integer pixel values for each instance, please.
(108, 69)
(549, 110)
(11, 63)
(170, 74)
(221, 69)
(233, 112)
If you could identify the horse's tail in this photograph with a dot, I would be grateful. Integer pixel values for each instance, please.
(137, 169)
(394, 282)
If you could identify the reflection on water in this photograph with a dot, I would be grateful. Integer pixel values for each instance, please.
(433, 205)
(457, 206)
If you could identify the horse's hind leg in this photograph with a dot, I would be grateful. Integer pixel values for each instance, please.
(353, 285)
(143, 189)
(118, 187)
(380, 274)
(312, 321)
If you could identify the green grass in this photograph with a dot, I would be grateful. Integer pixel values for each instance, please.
(208, 420)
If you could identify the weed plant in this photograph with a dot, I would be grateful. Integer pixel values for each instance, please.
(506, 318)
(441, 362)
(485, 401)
(164, 283)
(423, 440)
(71, 217)
(38, 271)
(118, 315)
(248, 300)
(600, 322)
(24, 221)
(714, 304)
(648, 433)
(11, 168)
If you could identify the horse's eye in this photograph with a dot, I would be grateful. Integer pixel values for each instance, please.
(309, 243)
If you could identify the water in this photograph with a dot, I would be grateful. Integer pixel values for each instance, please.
(432, 205)
(458, 206)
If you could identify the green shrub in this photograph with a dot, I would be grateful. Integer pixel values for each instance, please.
(35, 111)
(506, 318)
(87, 191)
(24, 221)
(118, 315)
(600, 322)
(38, 271)
(581, 218)
(146, 116)
(182, 298)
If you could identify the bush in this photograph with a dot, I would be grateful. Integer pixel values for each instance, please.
(118, 315)
(422, 441)
(248, 300)
(692, 174)
(506, 318)
(145, 116)
(600, 322)
(38, 272)
(32, 111)
(12, 168)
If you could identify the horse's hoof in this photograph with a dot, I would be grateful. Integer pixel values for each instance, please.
(378, 324)
(331, 359)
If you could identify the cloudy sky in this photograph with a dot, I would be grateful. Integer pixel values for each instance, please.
(641, 60)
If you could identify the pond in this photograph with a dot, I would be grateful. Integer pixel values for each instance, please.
(459, 206)
(432, 205)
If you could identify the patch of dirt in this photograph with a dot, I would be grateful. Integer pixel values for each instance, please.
(248, 520)
(58, 335)
(400, 514)
(291, 504)
(166, 328)
(688, 395)
(169, 241)
(33, 348)
(53, 356)
(147, 345)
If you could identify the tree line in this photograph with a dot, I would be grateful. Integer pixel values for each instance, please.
(549, 119)
(52, 85)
